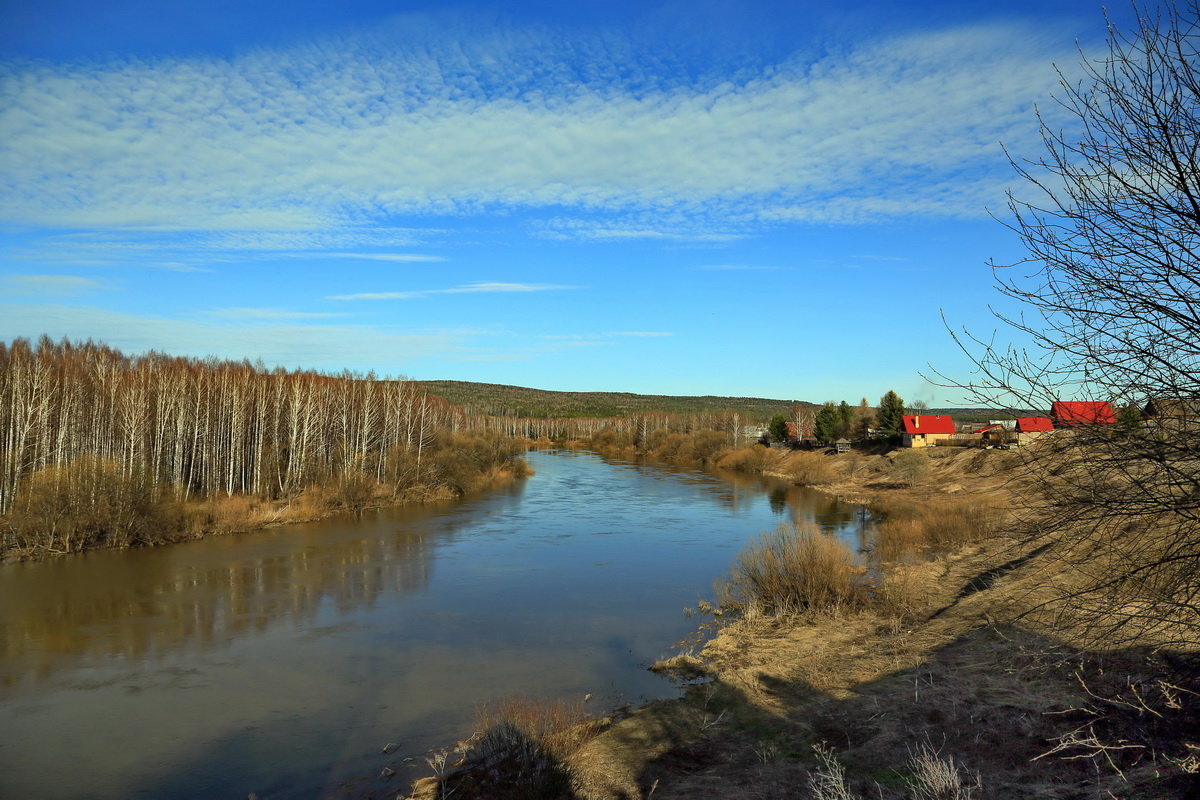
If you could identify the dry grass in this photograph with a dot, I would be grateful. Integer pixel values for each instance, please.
(947, 525)
(938, 777)
(555, 724)
(745, 459)
(519, 751)
(795, 569)
(809, 469)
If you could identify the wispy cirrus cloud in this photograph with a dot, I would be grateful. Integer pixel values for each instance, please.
(403, 258)
(343, 135)
(271, 313)
(309, 344)
(50, 285)
(470, 288)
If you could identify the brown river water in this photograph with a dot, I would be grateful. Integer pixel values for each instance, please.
(281, 663)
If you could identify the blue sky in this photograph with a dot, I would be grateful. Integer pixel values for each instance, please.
(750, 198)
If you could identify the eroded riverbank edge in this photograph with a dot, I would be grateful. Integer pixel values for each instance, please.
(974, 673)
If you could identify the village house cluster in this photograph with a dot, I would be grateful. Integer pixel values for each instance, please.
(924, 430)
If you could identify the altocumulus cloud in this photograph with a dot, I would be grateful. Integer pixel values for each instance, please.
(338, 133)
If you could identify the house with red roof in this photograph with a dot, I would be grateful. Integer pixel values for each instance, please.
(1031, 428)
(922, 430)
(1073, 413)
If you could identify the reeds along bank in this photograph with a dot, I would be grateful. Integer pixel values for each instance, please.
(194, 427)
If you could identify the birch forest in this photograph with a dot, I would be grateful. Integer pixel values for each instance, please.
(98, 448)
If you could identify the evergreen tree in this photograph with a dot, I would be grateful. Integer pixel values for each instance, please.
(827, 423)
(777, 430)
(845, 419)
(888, 418)
(1129, 417)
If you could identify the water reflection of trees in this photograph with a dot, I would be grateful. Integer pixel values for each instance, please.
(144, 604)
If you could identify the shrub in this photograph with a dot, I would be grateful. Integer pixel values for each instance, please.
(810, 469)
(90, 502)
(797, 568)
(910, 466)
(745, 459)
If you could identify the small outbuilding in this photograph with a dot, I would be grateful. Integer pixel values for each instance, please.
(923, 430)
(842, 445)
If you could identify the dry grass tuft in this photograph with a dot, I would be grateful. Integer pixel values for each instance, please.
(519, 752)
(937, 777)
(828, 780)
(556, 724)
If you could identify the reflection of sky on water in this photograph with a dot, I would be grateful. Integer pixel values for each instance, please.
(280, 662)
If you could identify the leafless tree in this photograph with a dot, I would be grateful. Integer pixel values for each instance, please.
(1110, 293)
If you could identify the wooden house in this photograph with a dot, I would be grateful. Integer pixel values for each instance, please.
(923, 430)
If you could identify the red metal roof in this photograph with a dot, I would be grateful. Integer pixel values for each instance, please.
(1028, 424)
(1083, 412)
(928, 423)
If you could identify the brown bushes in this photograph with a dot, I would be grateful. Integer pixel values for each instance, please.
(88, 503)
(93, 503)
(518, 752)
(809, 468)
(745, 459)
(799, 569)
(795, 569)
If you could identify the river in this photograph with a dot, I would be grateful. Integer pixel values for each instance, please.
(281, 663)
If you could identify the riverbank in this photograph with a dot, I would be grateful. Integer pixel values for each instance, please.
(977, 680)
(23, 535)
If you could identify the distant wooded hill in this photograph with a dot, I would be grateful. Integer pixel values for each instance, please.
(519, 401)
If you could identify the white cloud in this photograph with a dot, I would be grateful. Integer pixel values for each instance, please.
(270, 313)
(50, 284)
(641, 333)
(399, 257)
(338, 136)
(321, 346)
(470, 288)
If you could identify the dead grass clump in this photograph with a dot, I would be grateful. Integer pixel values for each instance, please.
(795, 569)
(556, 724)
(951, 524)
(899, 539)
(745, 459)
(519, 752)
(828, 780)
(909, 529)
(810, 469)
(937, 777)
(223, 514)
